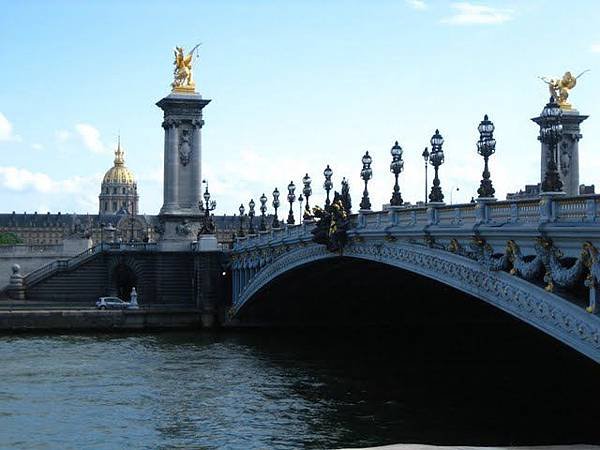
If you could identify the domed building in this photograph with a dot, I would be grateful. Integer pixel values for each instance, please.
(118, 191)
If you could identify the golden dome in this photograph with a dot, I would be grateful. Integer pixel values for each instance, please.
(119, 173)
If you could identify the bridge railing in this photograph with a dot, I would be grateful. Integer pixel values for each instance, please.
(584, 209)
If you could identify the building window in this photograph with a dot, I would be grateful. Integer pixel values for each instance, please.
(123, 190)
(114, 206)
(106, 206)
(114, 190)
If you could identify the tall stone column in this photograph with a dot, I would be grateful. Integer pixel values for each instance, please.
(568, 151)
(180, 215)
(196, 163)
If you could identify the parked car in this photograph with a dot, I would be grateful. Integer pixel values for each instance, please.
(111, 303)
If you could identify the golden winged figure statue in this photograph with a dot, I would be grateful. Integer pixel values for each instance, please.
(559, 88)
(183, 80)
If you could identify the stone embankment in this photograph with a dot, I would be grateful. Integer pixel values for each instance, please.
(15, 317)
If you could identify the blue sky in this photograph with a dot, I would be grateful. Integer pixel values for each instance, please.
(294, 86)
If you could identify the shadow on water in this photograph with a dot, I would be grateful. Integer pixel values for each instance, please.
(408, 359)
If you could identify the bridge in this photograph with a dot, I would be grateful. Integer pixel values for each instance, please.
(534, 259)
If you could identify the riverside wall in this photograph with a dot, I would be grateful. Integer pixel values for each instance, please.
(96, 320)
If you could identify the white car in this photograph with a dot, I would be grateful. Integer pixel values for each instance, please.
(112, 303)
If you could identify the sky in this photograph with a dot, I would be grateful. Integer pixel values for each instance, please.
(294, 86)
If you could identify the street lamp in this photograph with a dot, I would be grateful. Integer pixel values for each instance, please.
(425, 156)
(263, 210)
(396, 166)
(206, 207)
(366, 173)
(328, 185)
(276, 204)
(251, 217)
(307, 191)
(291, 199)
(300, 201)
(241, 230)
(486, 147)
(436, 159)
(551, 134)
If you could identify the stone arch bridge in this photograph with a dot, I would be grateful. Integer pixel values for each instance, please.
(534, 259)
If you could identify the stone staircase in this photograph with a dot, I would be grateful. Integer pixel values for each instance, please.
(81, 279)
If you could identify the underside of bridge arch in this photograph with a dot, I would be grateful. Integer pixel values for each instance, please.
(355, 293)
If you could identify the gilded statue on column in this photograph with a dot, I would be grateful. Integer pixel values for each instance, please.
(183, 80)
(559, 88)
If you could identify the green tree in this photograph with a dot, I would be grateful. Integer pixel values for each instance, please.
(9, 239)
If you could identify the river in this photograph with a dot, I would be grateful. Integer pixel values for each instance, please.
(292, 389)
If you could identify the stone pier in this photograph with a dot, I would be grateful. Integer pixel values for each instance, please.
(179, 215)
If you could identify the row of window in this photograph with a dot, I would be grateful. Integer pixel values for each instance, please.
(114, 190)
(115, 205)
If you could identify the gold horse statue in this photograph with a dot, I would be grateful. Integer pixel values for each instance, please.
(183, 80)
(559, 88)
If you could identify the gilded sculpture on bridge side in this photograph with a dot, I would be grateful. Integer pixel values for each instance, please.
(332, 225)
(560, 87)
(183, 78)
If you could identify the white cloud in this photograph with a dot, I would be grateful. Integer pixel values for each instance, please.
(595, 48)
(37, 146)
(477, 14)
(90, 137)
(6, 130)
(62, 135)
(79, 193)
(419, 5)
(17, 179)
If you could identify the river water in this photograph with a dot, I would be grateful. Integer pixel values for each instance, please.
(280, 389)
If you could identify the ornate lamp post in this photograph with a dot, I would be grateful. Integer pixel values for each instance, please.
(251, 217)
(425, 156)
(241, 230)
(206, 207)
(263, 210)
(307, 191)
(300, 201)
(551, 134)
(486, 147)
(276, 204)
(366, 173)
(396, 166)
(291, 199)
(436, 159)
(328, 185)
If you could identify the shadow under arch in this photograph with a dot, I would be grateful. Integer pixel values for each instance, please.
(526, 302)
(123, 280)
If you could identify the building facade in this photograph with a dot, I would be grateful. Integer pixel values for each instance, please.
(118, 190)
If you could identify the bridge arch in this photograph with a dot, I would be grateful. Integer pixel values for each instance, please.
(124, 273)
(527, 302)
